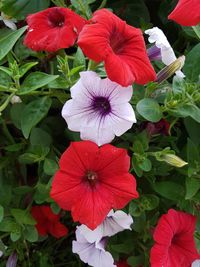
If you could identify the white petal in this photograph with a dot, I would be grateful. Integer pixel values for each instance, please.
(123, 219)
(10, 24)
(90, 81)
(157, 36)
(91, 235)
(15, 99)
(1, 253)
(75, 113)
(180, 74)
(122, 118)
(98, 130)
(101, 258)
(84, 250)
(196, 263)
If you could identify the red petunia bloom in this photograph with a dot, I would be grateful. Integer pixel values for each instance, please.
(48, 222)
(108, 38)
(52, 29)
(186, 13)
(174, 240)
(160, 127)
(92, 180)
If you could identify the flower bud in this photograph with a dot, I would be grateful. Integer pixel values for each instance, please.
(173, 160)
(168, 71)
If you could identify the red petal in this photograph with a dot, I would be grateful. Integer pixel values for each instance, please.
(58, 230)
(186, 13)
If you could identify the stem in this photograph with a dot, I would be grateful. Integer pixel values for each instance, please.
(103, 3)
(92, 65)
(5, 89)
(7, 133)
(5, 104)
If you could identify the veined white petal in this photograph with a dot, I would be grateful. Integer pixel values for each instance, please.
(99, 109)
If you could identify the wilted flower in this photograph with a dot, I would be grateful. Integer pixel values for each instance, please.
(8, 21)
(52, 29)
(15, 99)
(186, 13)
(92, 253)
(122, 48)
(163, 47)
(114, 222)
(99, 108)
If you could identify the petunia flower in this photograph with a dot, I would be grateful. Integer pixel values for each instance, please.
(108, 38)
(52, 29)
(9, 22)
(115, 222)
(186, 13)
(92, 180)
(12, 260)
(99, 108)
(48, 222)
(160, 127)
(92, 253)
(122, 264)
(167, 54)
(174, 240)
(196, 263)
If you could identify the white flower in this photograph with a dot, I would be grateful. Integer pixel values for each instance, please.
(99, 108)
(15, 99)
(157, 36)
(114, 222)
(196, 263)
(92, 253)
(9, 22)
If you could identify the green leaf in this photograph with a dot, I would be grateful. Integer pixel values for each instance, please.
(187, 110)
(135, 261)
(9, 225)
(192, 187)
(16, 112)
(50, 166)
(15, 147)
(30, 233)
(22, 190)
(8, 41)
(1, 213)
(33, 113)
(79, 59)
(26, 67)
(193, 129)
(5, 79)
(39, 137)
(145, 165)
(149, 109)
(14, 236)
(34, 81)
(20, 9)
(192, 66)
(36, 154)
(23, 216)
(42, 193)
(149, 202)
(169, 190)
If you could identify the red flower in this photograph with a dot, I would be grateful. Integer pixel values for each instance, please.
(174, 240)
(120, 46)
(48, 222)
(92, 180)
(186, 13)
(53, 29)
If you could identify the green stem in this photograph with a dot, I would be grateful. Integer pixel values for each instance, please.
(103, 3)
(6, 89)
(92, 65)
(5, 104)
(7, 133)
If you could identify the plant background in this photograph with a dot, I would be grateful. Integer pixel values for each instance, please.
(33, 134)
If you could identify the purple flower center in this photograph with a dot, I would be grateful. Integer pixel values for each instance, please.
(102, 105)
(56, 18)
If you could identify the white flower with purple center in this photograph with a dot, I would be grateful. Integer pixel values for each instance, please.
(99, 108)
(92, 253)
(196, 263)
(115, 222)
(162, 49)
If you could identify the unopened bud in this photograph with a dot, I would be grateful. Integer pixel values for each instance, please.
(168, 71)
(173, 160)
